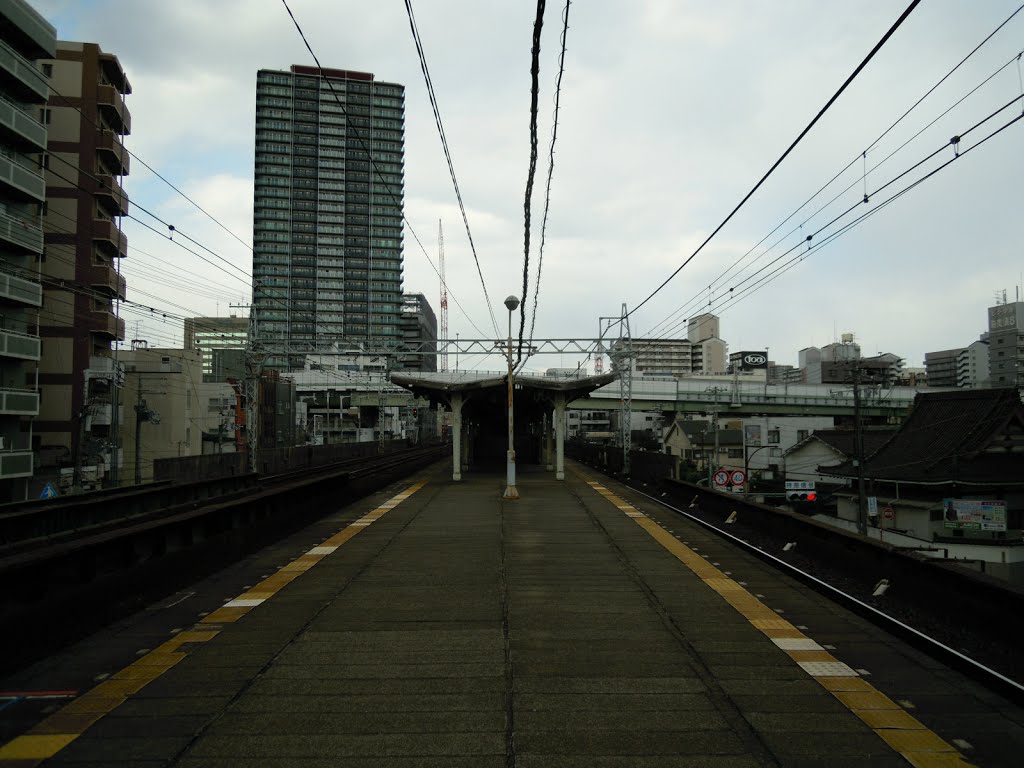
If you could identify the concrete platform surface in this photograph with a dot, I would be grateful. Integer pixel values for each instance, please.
(578, 626)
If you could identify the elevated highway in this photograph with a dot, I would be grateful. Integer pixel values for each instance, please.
(748, 398)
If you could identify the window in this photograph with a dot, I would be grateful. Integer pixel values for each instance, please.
(735, 453)
(46, 116)
(47, 70)
(801, 434)
(773, 436)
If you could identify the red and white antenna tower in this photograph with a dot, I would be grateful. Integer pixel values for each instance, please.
(444, 296)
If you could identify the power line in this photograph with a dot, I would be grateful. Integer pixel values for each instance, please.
(362, 143)
(799, 138)
(527, 202)
(551, 167)
(447, 155)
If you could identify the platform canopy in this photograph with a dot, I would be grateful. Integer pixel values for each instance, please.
(440, 385)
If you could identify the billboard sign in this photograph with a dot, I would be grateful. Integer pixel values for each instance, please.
(753, 360)
(974, 514)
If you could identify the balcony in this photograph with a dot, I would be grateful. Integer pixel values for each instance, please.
(107, 280)
(108, 239)
(19, 345)
(19, 402)
(15, 464)
(26, 235)
(21, 77)
(112, 107)
(113, 152)
(20, 130)
(24, 184)
(105, 324)
(17, 290)
(109, 193)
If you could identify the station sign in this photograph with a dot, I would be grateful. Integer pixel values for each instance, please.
(799, 485)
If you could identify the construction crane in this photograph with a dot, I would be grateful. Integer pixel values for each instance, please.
(444, 295)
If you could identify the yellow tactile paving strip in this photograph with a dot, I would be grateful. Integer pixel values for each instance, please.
(64, 726)
(906, 735)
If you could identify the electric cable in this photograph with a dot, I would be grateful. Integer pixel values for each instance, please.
(792, 146)
(551, 168)
(528, 199)
(447, 155)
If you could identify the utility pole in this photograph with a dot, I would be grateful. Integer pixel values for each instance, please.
(76, 478)
(858, 440)
(140, 416)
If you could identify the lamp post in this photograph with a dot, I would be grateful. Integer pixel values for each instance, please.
(510, 465)
(746, 463)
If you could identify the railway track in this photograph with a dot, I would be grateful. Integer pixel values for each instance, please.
(926, 640)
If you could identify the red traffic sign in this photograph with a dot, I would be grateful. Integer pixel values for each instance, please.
(888, 513)
(721, 477)
(738, 477)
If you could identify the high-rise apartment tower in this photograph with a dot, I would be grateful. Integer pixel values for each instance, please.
(327, 240)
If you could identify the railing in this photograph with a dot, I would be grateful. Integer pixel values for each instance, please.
(21, 290)
(29, 182)
(16, 464)
(25, 71)
(19, 402)
(22, 124)
(24, 232)
(20, 345)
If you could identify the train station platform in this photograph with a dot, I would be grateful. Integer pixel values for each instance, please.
(581, 625)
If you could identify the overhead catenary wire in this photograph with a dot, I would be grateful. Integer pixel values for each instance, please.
(538, 25)
(448, 157)
(693, 302)
(362, 143)
(878, 46)
(551, 168)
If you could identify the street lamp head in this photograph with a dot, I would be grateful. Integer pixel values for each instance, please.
(511, 302)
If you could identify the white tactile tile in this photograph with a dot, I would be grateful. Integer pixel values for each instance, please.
(244, 603)
(796, 644)
(827, 669)
(321, 550)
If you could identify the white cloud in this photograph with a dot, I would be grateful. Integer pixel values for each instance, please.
(671, 111)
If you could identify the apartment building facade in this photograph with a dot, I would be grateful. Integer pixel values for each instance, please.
(85, 162)
(25, 36)
(328, 208)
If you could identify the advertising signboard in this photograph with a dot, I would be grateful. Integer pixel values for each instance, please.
(974, 514)
(753, 360)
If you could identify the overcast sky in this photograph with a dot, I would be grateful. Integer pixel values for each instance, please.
(670, 112)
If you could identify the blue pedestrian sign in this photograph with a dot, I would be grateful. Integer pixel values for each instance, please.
(49, 492)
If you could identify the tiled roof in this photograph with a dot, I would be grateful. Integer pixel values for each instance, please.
(948, 437)
(842, 440)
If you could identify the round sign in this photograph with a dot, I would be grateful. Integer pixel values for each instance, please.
(755, 359)
(888, 512)
(738, 477)
(721, 477)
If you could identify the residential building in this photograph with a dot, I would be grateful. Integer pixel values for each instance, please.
(951, 479)
(703, 327)
(1006, 344)
(883, 368)
(823, 448)
(87, 121)
(328, 208)
(419, 331)
(767, 438)
(942, 367)
(164, 409)
(211, 333)
(24, 37)
(972, 365)
(218, 423)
